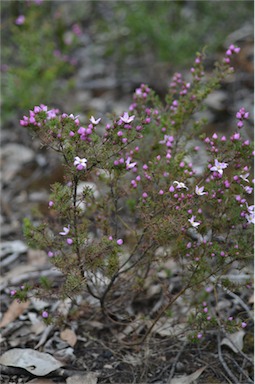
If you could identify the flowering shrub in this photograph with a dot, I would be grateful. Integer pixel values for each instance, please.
(134, 197)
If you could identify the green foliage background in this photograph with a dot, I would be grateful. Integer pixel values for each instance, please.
(173, 30)
(127, 33)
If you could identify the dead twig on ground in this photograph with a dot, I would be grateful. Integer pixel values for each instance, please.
(248, 380)
(175, 362)
(224, 364)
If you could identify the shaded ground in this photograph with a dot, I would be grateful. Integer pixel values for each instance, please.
(109, 348)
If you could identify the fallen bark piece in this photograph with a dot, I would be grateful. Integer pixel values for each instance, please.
(37, 363)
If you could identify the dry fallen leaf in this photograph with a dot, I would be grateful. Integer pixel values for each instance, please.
(234, 341)
(188, 379)
(88, 378)
(69, 336)
(37, 363)
(14, 311)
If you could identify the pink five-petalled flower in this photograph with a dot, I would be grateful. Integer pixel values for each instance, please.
(80, 163)
(200, 191)
(194, 223)
(250, 216)
(180, 185)
(73, 117)
(65, 231)
(130, 165)
(244, 177)
(218, 167)
(126, 118)
(94, 121)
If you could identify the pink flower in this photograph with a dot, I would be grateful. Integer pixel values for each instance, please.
(20, 20)
(126, 118)
(130, 165)
(244, 177)
(82, 131)
(73, 117)
(94, 121)
(69, 241)
(180, 185)
(65, 231)
(51, 203)
(200, 191)
(194, 224)
(168, 140)
(250, 218)
(248, 190)
(119, 241)
(250, 208)
(80, 163)
(218, 167)
(45, 314)
(236, 136)
(232, 49)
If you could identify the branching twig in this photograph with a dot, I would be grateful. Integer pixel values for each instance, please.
(236, 297)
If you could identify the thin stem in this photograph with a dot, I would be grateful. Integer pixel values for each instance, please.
(121, 271)
(75, 224)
